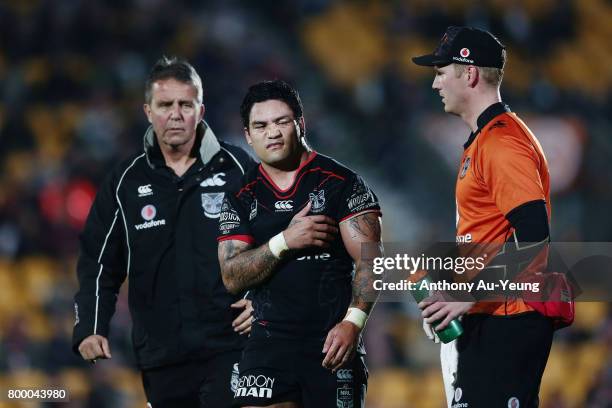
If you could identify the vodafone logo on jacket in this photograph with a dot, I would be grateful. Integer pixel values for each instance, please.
(148, 213)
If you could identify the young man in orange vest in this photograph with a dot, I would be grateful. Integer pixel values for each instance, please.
(502, 196)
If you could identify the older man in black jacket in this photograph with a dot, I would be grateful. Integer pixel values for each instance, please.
(155, 220)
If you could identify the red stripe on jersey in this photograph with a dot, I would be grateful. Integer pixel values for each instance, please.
(274, 188)
(263, 172)
(247, 187)
(331, 175)
(348, 217)
(244, 238)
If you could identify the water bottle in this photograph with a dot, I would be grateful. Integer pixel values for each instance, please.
(454, 328)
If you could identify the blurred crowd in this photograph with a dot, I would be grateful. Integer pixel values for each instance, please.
(72, 78)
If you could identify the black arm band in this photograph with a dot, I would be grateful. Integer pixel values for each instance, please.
(530, 222)
(531, 236)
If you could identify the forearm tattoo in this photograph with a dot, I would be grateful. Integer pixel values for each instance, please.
(364, 294)
(365, 228)
(244, 268)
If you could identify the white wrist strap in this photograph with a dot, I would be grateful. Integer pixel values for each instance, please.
(356, 316)
(278, 245)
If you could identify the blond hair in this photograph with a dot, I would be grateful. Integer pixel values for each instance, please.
(491, 75)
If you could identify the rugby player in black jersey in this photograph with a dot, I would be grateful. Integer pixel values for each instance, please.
(293, 235)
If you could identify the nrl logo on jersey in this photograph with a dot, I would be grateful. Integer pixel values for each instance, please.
(317, 198)
(211, 203)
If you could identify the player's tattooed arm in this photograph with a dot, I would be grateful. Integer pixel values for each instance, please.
(242, 266)
(342, 340)
(363, 229)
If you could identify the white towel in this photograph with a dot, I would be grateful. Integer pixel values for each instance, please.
(449, 357)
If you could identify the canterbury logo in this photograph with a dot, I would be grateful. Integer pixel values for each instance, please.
(345, 374)
(145, 190)
(284, 205)
(213, 181)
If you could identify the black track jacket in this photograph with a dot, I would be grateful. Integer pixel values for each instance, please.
(160, 230)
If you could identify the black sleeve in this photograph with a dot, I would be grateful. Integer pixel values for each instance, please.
(234, 220)
(530, 222)
(249, 162)
(356, 197)
(101, 267)
(240, 157)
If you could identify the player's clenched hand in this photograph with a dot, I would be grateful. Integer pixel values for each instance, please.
(94, 347)
(310, 230)
(242, 323)
(340, 345)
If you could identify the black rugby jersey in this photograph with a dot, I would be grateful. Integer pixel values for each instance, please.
(310, 292)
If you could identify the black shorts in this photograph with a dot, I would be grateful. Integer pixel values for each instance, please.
(281, 371)
(501, 360)
(206, 383)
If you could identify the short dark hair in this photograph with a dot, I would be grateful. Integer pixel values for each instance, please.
(176, 68)
(267, 90)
